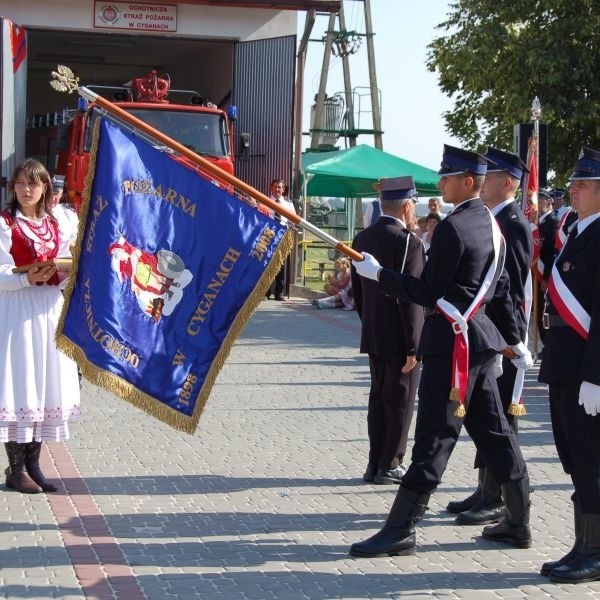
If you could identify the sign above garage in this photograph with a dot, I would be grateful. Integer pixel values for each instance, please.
(134, 16)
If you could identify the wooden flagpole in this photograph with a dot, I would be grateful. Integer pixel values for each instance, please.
(64, 80)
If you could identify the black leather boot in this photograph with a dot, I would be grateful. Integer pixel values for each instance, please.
(397, 538)
(458, 506)
(514, 527)
(16, 476)
(585, 566)
(489, 509)
(572, 553)
(32, 464)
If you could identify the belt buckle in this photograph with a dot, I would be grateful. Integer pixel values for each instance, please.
(546, 321)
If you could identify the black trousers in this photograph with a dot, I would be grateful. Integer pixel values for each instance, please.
(506, 384)
(391, 407)
(577, 439)
(437, 428)
(278, 286)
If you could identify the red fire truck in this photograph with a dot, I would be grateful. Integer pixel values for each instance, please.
(198, 125)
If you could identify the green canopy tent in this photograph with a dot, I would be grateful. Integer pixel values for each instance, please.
(352, 173)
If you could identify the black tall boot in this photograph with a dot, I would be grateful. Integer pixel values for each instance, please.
(585, 566)
(32, 464)
(514, 527)
(397, 538)
(458, 506)
(490, 508)
(573, 552)
(16, 475)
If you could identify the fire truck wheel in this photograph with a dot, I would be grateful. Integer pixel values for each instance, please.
(169, 264)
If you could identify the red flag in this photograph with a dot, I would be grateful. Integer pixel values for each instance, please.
(19, 46)
(530, 205)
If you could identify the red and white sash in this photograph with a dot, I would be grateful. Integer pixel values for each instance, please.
(567, 306)
(561, 236)
(460, 353)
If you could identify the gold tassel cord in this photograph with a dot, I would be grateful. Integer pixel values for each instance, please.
(455, 394)
(460, 411)
(517, 410)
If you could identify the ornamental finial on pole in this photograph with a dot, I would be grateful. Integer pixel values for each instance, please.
(64, 80)
(536, 109)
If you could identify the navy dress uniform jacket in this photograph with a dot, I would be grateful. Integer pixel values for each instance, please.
(547, 228)
(390, 327)
(519, 246)
(456, 265)
(568, 358)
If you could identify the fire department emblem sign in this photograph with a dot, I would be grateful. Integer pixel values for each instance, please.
(156, 280)
(109, 13)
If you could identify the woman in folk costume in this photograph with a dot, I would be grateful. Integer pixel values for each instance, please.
(39, 389)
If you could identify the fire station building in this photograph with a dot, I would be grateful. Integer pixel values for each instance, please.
(228, 52)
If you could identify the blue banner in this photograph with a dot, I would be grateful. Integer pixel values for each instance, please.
(168, 268)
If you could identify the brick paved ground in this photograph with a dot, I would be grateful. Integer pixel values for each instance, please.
(265, 499)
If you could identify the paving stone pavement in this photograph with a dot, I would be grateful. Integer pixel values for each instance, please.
(265, 499)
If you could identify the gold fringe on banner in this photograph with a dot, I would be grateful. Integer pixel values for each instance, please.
(125, 390)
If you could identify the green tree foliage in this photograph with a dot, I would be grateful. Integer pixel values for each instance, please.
(494, 57)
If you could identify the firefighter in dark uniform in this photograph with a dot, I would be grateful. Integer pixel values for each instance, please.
(547, 229)
(502, 181)
(391, 329)
(570, 367)
(462, 274)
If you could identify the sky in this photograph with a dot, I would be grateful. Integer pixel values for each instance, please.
(411, 104)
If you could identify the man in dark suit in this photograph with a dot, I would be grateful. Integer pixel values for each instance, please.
(570, 367)
(391, 329)
(459, 343)
(502, 181)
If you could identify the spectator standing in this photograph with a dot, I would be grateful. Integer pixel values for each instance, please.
(65, 214)
(278, 286)
(431, 222)
(39, 390)
(435, 206)
(390, 331)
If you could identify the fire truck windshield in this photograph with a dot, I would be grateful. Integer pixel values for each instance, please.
(203, 133)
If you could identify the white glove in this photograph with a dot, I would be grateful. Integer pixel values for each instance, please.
(524, 360)
(589, 398)
(498, 366)
(369, 267)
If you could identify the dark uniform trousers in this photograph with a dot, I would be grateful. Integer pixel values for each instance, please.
(573, 429)
(390, 412)
(506, 384)
(519, 242)
(437, 428)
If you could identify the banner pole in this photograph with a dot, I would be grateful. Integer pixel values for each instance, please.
(217, 171)
(536, 111)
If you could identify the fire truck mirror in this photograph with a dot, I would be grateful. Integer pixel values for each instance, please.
(244, 144)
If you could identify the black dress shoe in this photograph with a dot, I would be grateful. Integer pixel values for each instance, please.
(280, 298)
(389, 476)
(369, 474)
